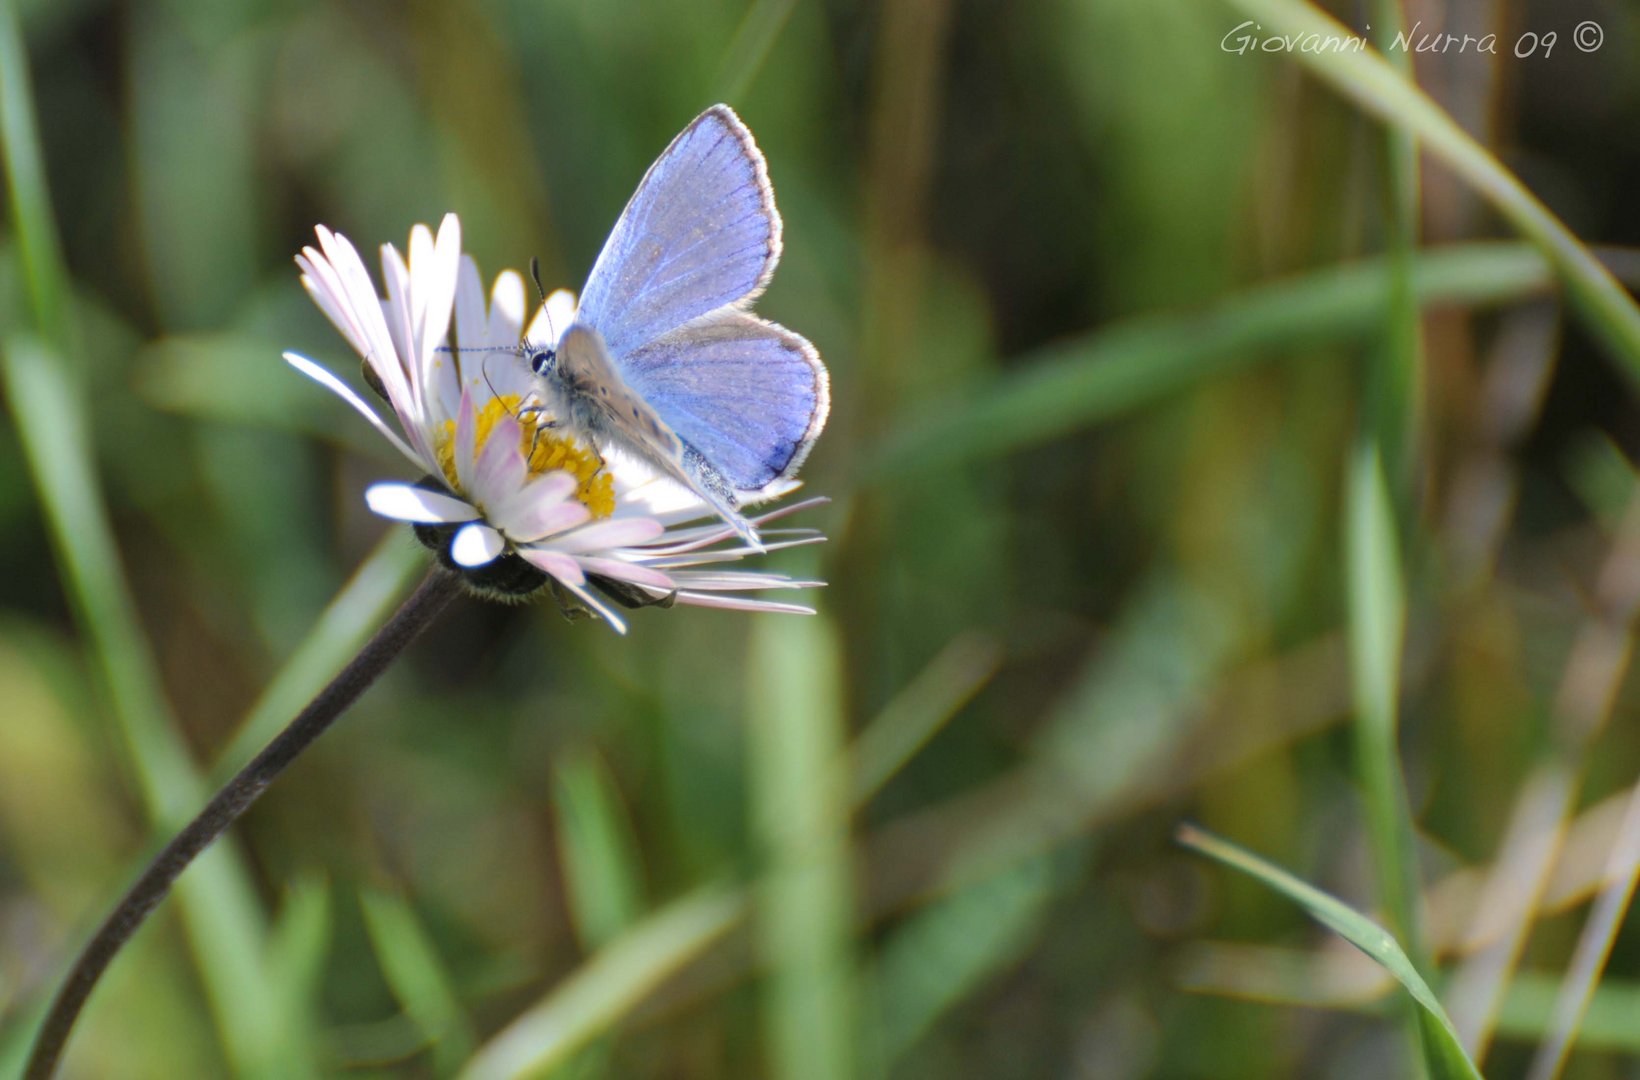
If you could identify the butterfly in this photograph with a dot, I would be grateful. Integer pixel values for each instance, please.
(664, 360)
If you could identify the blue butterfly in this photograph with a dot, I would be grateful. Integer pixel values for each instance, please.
(664, 360)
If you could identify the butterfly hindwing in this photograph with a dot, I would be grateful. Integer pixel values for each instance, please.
(700, 233)
(748, 396)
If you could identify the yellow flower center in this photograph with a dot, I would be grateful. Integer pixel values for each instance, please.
(542, 448)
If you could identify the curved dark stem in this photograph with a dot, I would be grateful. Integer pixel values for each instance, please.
(430, 598)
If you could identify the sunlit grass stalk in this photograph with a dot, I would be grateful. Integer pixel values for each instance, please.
(1594, 671)
(804, 907)
(1594, 674)
(1594, 947)
(1373, 83)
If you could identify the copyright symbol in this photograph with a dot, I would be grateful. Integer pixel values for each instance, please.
(1588, 36)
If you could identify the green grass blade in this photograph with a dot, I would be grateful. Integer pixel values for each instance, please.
(39, 249)
(298, 944)
(917, 712)
(942, 953)
(358, 610)
(219, 906)
(800, 814)
(1528, 1012)
(750, 47)
(1377, 618)
(1372, 83)
(417, 977)
(1122, 367)
(1396, 378)
(602, 871)
(1443, 1051)
(608, 986)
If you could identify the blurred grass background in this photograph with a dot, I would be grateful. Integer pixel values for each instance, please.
(1193, 456)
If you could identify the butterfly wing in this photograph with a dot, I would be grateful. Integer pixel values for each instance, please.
(603, 403)
(748, 396)
(701, 232)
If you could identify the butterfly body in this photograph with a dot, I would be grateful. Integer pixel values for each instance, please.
(663, 359)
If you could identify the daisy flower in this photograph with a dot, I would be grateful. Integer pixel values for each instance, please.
(510, 499)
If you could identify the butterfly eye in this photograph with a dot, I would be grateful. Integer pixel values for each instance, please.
(542, 360)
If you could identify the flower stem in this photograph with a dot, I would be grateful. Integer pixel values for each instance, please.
(235, 797)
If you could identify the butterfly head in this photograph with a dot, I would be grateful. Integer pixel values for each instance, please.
(542, 359)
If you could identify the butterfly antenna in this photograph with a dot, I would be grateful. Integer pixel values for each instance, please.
(541, 291)
(535, 276)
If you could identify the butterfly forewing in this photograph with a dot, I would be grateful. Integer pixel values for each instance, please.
(701, 232)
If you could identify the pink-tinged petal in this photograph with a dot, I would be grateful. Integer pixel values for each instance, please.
(501, 468)
(786, 511)
(322, 284)
(361, 295)
(547, 520)
(518, 511)
(737, 603)
(406, 502)
(609, 533)
(338, 282)
(396, 317)
(739, 581)
(466, 434)
(476, 545)
(559, 565)
(621, 570)
(703, 558)
(342, 390)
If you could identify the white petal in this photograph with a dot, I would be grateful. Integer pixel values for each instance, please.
(342, 390)
(471, 318)
(476, 544)
(435, 287)
(406, 502)
(506, 309)
(552, 318)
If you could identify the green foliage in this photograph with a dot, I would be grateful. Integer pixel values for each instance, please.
(1189, 458)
